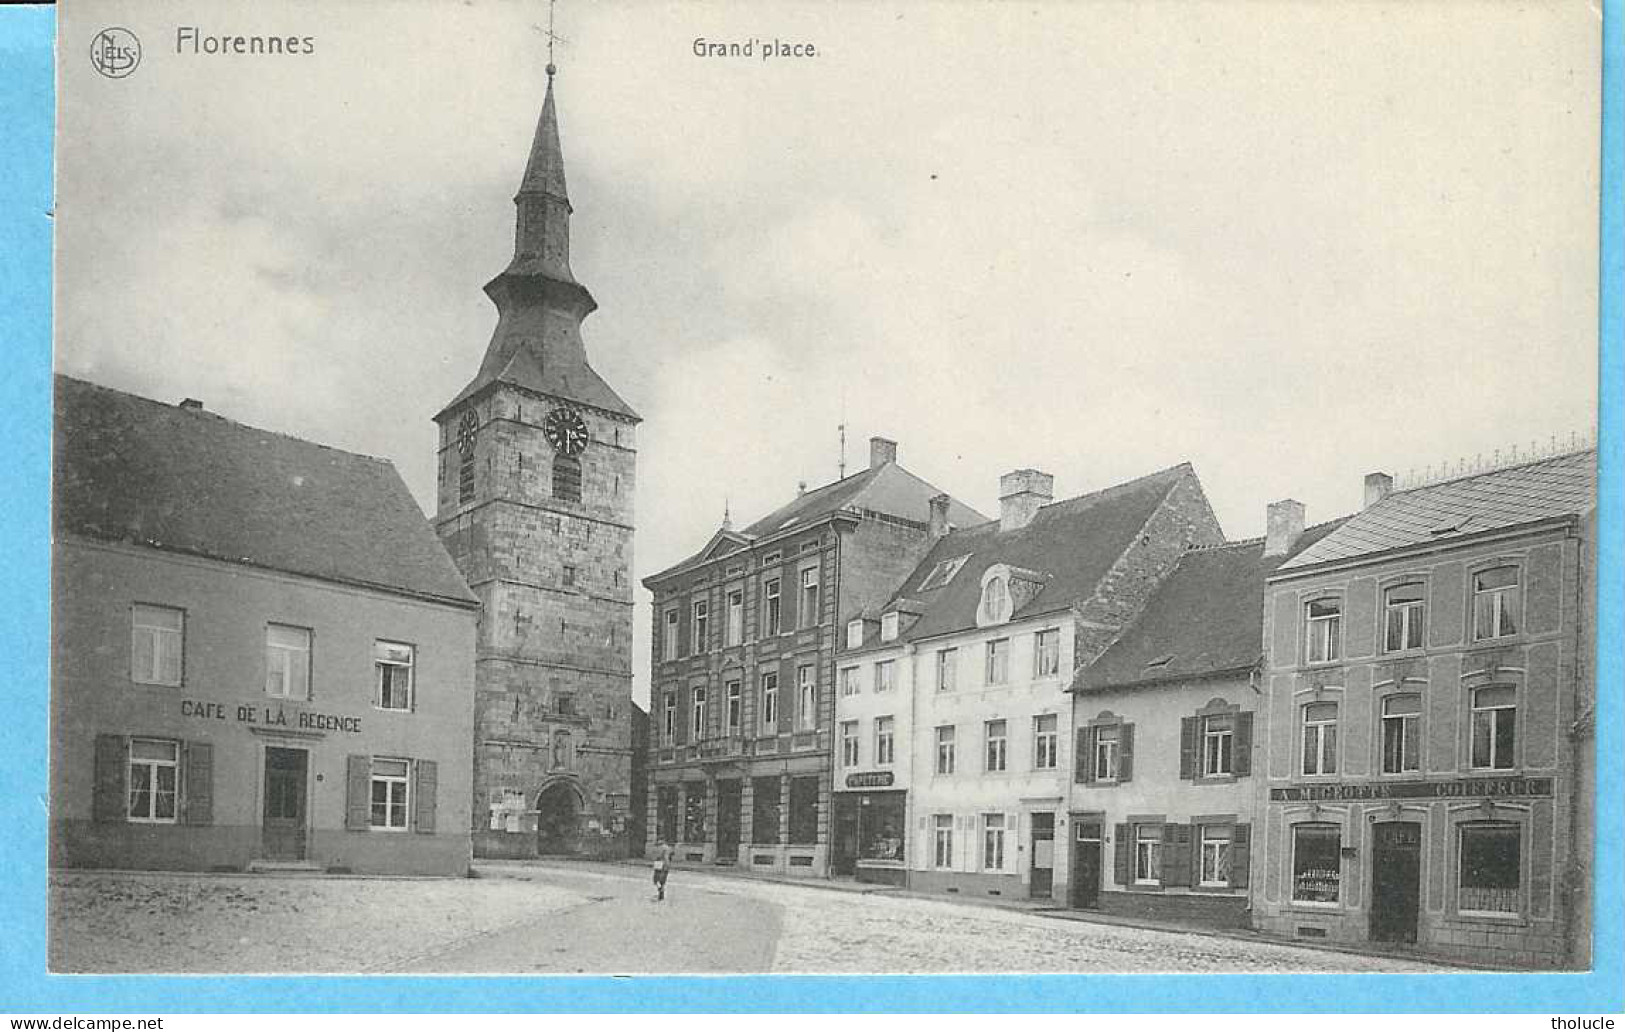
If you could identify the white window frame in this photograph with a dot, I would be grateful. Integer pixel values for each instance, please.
(735, 691)
(854, 633)
(993, 841)
(1147, 854)
(1218, 745)
(947, 669)
(1106, 751)
(849, 682)
(1496, 598)
(391, 782)
(153, 766)
(942, 841)
(1321, 752)
(807, 615)
(889, 625)
(151, 623)
(772, 606)
(286, 659)
(1046, 741)
(1221, 838)
(696, 712)
(670, 639)
(700, 626)
(383, 662)
(885, 675)
(885, 741)
(995, 747)
(1324, 643)
(806, 696)
(671, 718)
(734, 630)
(996, 668)
(1411, 617)
(1400, 722)
(770, 700)
(1494, 714)
(946, 749)
(1047, 652)
(849, 743)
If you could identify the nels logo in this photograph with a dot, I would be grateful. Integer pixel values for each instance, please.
(115, 52)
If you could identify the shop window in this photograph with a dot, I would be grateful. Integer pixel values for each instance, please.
(696, 714)
(945, 750)
(770, 701)
(157, 637)
(1401, 734)
(666, 814)
(942, 841)
(1495, 719)
(849, 681)
(735, 631)
(1320, 738)
(803, 811)
(1148, 854)
(947, 661)
(764, 814)
(806, 697)
(1316, 863)
(736, 706)
(994, 736)
(700, 626)
(694, 812)
(154, 769)
(1046, 742)
(997, 666)
(884, 741)
(849, 743)
(993, 841)
(668, 639)
(771, 607)
(885, 676)
(1215, 856)
(287, 662)
(1495, 603)
(566, 478)
(880, 836)
(1218, 744)
(392, 664)
(390, 785)
(1325, 627)
(1404, 609)
(1489, 879)
(807, 610)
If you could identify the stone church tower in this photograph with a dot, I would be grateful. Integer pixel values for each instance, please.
(536, 478)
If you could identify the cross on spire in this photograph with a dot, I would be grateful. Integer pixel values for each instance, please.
(552, 37)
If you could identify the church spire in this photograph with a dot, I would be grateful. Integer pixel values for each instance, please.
(542, 229)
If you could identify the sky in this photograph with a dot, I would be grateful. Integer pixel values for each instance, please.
(1290, 243)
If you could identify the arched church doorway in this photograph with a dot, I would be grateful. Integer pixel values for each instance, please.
(558, 818)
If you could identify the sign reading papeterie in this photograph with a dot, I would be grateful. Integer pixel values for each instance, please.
(870, 779)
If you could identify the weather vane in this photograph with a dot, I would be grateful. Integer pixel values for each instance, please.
(552, 37)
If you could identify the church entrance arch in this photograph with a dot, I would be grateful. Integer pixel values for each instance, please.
(559, 806)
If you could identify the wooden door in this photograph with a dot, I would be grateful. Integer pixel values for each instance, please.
(1396, 881)
(1086, 864)
(283, 823)
(1042, 883)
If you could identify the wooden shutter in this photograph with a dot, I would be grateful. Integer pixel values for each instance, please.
(112, 767)
(426, 774)
(1083, 770)
(1241, 761)
(1187, 748)
(198, 762)
(1241, 854)
(1121, 870)
(358, 793)
(1125, 752)
(1176, 854)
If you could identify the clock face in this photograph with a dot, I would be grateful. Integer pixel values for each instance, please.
(566, 431)
(467, 428)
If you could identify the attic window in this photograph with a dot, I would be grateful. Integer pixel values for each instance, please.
(943, 572)
(1160, 661)
(854, 634)
(888, 626)
(1451, 524)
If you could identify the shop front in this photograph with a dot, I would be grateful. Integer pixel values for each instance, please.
(870, 831)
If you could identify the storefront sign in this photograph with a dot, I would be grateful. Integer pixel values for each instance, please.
(272, 717)
(870, 779)
(1471, 788)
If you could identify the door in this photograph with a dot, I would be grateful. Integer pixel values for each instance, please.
(728, 794)
(283, 824)
(1086, 864)
(1396, 880)
(1042, 883)
(844, 854)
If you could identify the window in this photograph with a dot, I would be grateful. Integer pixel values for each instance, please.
(995, 602)
(392, 662)
(1047, 653)
(736, 706)
(888, 626)
(945, 750)
(854, 634)
(770, 701)
(287, 662)
(1148, 854)
(668, 641)
(1488, 882)
(998, 661)
(1404, 608)
(1218, 737)
(694, 812)
(696, 714)
(1316, 863)
(1106, 746)
(566, 478)
(885, 676)
(153, 769)
(942, 840)
(1401, 734)
(803, 811)
(994, 737)
(993, 841)
(1046, 741)
(768, 795)
(849, 743)
(1495, 718)
(1215, 860)
(884, 739)
(562, 753)
(943, 572)
(156, 638)
(671, 718)
(807, 610)
(1495, 603)
(389, 790)
(736, 617)
(701, 625)
(849, 681)
(946, 662)
(564, 704)
(1320, 738)
(806, 697)
(1325, 630)
(770, 606)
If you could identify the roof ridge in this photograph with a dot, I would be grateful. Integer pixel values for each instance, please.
(1508, 468)
(1243, 543)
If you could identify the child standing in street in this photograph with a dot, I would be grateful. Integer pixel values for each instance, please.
(662, 865)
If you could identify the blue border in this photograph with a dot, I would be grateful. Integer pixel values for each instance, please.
(26, 106)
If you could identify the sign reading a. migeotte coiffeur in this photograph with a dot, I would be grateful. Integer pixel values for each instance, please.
(277, 717)
(1459, 788)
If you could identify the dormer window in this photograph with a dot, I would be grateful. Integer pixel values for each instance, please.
(888, 626)
(995, 606)
(943, 572)
(854, 634)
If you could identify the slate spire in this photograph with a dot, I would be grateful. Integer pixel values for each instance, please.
(542, 224)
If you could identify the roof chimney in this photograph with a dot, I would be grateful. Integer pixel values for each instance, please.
(1377, 487)
(191, 405)
(1284, 525)
(1022, 493)
(939, 516)
(881, 451)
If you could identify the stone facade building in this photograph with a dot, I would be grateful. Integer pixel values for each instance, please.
(537, 460)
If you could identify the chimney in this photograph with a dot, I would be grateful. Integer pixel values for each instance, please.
(881, 451)
(939, 516)
(191, 405)
(1377, 487)
(1284, 525)
(1021, 493)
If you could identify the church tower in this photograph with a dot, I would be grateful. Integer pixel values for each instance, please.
(536, 477)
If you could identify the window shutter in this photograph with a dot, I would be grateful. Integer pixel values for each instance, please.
(1176, 854)
(112, 768)
(1125, 752)
(423, 792)
(1120, 867)
(1082, 768)
(1240, 854)
(1242, 754)
(1187, 748)
(358, 793)
(199, 763)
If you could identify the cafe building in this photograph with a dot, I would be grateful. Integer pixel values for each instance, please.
(1429, 699)
(262, 657)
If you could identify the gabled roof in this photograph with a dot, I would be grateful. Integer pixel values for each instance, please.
(1564, 485)
(135, 470)
(1072, 543)
(1205, 618)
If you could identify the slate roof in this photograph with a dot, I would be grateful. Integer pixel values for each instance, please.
(1206, 618)
(1563, 485)
(1073, 543)
(131, 469)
